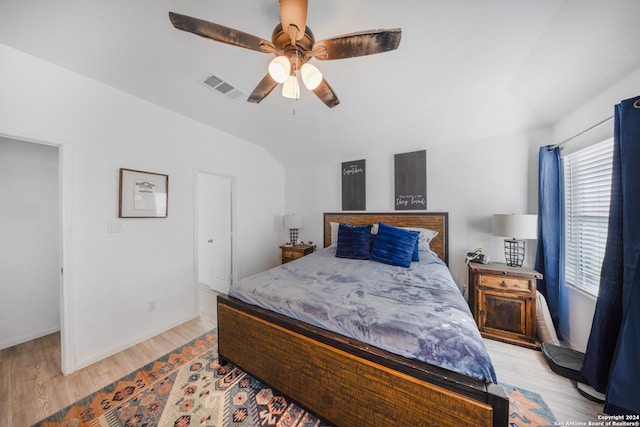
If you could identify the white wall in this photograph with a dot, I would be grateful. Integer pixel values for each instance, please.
(471, 180)
(29, 241)
(576, 326)
(110, 277)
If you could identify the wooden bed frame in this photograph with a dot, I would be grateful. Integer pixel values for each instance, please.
(348, 382)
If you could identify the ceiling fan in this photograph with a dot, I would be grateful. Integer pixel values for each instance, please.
(294, 45)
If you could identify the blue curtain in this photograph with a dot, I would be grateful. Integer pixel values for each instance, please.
(612, 360)
(549, 254)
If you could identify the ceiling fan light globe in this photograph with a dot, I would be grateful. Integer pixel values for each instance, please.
(280, 68)
(291, 88)
(311, 76)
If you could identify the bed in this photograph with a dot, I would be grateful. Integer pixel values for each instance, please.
(346, 380)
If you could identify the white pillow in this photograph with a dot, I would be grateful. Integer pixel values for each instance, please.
(334, 232)
(425, 237)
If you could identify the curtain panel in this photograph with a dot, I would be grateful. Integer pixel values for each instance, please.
(549, 252)
(612, 360)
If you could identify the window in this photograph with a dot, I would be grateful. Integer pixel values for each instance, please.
(587, 188)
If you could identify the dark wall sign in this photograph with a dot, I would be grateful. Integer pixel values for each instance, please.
(353, 186)
(411, 181)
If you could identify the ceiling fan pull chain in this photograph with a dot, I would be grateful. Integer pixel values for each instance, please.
(295, 73)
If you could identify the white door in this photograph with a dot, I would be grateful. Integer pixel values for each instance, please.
(214, 231)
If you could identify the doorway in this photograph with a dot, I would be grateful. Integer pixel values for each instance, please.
(214, 231)
(30, 223)
(65, 191)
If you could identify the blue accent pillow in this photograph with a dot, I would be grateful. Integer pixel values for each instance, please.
(354, 241)
(373, 241)
(395, 246)
(414, 256)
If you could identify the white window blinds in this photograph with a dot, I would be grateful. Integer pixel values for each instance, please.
(587, 188)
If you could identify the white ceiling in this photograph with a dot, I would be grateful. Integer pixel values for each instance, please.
(465, 69)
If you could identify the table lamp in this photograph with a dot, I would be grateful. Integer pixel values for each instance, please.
(519, 227)
(293, 223)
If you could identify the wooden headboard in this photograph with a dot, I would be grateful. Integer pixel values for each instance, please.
(437, 221)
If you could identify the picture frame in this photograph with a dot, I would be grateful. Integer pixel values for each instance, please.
(354, 185)
(411, 180)
(143, 194)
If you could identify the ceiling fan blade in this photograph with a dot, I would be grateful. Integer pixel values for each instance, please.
(264, 88)
(220, 33)
(294, 12)
(326, 94)
(357, 44)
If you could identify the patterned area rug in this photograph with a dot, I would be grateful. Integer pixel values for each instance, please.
(527, 408)
(188, 387)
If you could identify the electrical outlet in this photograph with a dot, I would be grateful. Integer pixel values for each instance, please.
(151, 306)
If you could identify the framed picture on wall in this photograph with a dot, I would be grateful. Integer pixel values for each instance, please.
(411, 181)
(354, 185)
(143, 194)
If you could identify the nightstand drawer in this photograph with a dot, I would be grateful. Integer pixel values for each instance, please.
(289, 253)
(504, 282)
(292, 253)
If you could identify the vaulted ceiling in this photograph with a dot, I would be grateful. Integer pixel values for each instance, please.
(464, 70)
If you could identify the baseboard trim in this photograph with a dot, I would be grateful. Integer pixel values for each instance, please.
(11, 341)
(130, 343)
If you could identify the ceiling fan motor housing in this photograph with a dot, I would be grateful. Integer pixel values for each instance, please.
(296, 53)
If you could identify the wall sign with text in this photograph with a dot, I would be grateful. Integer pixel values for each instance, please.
(411, 181)
(353, 186)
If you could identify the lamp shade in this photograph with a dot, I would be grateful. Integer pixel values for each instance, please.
(311, 76)
(291, 88)
(280, 68)
(293, 221)
(518, 226)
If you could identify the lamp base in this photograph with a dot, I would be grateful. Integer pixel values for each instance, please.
(293, 236)
(514, 252)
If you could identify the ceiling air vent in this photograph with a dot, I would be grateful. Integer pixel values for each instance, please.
(223, 88)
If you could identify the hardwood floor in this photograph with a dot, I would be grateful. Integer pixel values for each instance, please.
(32, 386)
(519, 366)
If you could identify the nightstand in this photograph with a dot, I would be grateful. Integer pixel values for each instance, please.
(503, 302)
(293, 252)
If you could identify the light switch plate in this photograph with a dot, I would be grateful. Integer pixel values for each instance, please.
(115, 227)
